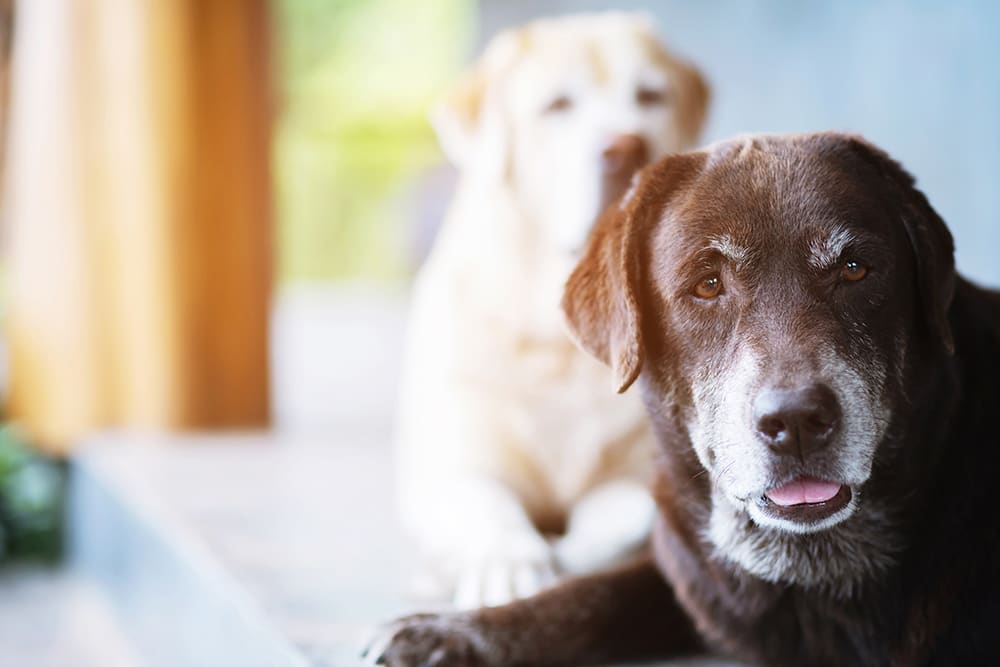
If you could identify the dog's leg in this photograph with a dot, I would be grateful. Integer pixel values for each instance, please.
(607, 526)
(480, 537)
(624, 614)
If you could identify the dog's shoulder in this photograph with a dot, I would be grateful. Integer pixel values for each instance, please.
(953, 579)
(976, 310)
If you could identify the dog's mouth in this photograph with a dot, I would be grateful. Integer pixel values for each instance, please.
(805, 500)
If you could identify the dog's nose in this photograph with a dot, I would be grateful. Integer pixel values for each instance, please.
(797, 422)
(625, 154)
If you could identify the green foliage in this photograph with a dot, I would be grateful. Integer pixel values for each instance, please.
(32, 491)
(356, 78)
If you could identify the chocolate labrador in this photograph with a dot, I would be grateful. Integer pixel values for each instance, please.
(824, 389)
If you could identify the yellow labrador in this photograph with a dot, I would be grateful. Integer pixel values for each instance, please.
(508, 434)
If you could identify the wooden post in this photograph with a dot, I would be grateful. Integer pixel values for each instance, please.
(139, 216)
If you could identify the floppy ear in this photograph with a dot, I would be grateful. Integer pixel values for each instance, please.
(693, 96)
(460, 116)
(456, 117)
(932, 243)
(691, 91)
(602, 299)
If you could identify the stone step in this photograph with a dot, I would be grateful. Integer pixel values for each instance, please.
(238, 550)
(53, 617)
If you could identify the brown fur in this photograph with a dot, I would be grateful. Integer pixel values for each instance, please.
(913, 576)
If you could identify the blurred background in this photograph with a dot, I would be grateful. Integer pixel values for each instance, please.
(211, 213)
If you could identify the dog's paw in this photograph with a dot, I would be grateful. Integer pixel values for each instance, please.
(515, 567)
(428, 640)
(606, 528)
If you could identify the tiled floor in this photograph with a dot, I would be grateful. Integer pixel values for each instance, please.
(52, 618)
(303, 526)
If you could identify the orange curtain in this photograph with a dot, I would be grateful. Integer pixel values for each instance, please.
(138, 214)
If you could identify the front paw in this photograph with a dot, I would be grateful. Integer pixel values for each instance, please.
(429, 640)
(511, 566)
(608, 527)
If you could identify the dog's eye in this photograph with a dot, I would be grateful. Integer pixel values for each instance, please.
(559, 104)
(649, 97)
(853, 271)
(708, 287)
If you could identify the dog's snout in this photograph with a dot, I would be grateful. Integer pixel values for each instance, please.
(797, 422)
(625, 154)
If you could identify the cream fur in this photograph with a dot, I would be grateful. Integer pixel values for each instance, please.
(504, 424)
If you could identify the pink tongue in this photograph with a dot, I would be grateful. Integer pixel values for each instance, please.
(803, 490)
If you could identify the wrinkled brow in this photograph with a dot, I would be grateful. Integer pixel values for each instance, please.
(729, 248)
(825, 250)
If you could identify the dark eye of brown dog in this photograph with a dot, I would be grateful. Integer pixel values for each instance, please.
(708, 287)
(559, 104)
(853, 271)
(649, 97)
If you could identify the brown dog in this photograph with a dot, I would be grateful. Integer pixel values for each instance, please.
(824, 389)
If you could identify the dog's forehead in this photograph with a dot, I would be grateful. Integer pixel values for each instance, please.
(759, 197)
(581, 51)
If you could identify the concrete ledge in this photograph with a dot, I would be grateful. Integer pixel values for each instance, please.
(172, 598)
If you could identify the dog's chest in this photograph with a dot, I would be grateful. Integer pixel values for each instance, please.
(779, 624)
(565, 416)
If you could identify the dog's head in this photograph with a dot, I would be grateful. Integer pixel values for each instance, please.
(563, 110)
(775, 293)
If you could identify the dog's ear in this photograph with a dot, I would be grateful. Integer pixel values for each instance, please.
(932, 243)
(456, 117)
(602, 299)
(460, 116)
(693, 96)
(691, 91)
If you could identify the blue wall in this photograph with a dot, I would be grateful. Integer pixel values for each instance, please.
(919, 78)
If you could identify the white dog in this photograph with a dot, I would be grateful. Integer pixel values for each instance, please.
(507, 432)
